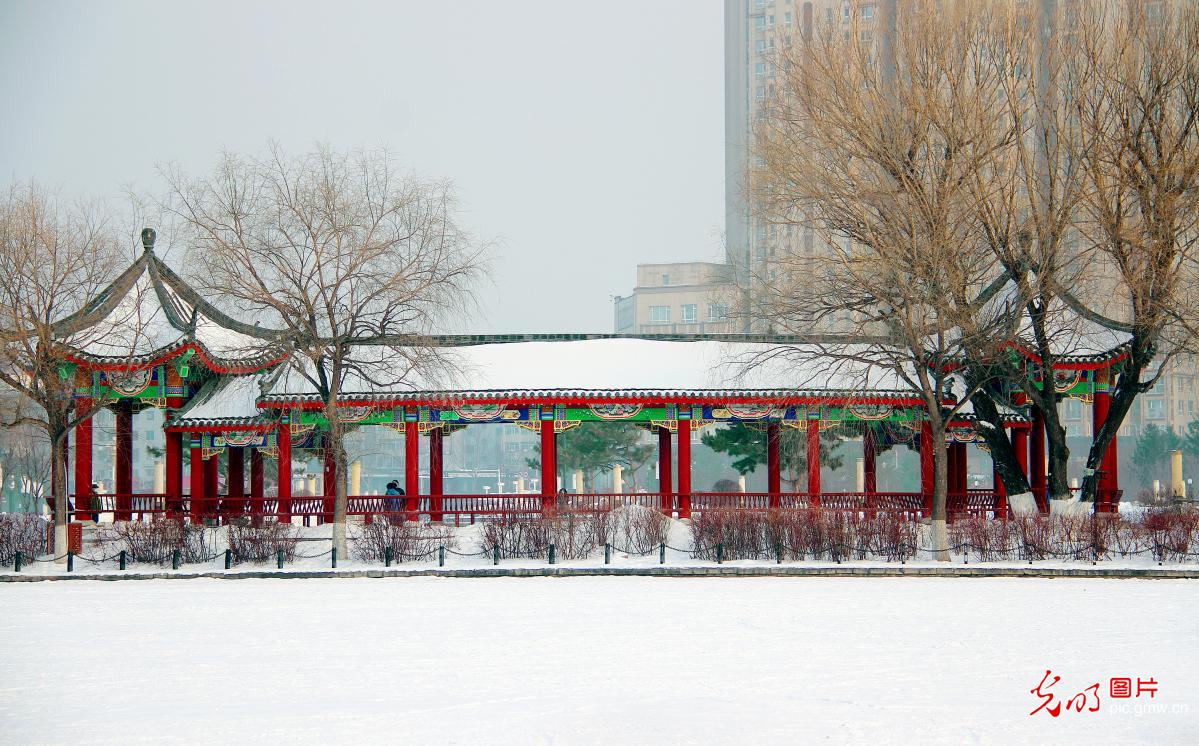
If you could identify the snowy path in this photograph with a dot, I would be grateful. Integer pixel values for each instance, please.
(588, 660)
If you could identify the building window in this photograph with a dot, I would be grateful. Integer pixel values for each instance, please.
(659, 314)
(760, 23)
(665, 279)
(867, 12)
(760, 93)
(717, 312)
(1155, 409)
(787, 18)
(760, 69)
(1073, 409)
(760, 45)
(688, 313)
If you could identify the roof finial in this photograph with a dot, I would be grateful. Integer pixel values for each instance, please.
(148, 236)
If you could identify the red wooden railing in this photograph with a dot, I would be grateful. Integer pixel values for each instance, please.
(457, 508)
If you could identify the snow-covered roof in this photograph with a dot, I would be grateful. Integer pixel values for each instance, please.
(225, 401)
(603, 369)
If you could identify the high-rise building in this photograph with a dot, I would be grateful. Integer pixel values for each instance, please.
(677, 298)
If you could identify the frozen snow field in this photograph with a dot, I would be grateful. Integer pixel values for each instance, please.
(593, 660)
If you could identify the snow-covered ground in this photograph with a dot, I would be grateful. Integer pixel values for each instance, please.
(591, 660)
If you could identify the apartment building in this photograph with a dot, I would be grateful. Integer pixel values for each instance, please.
(678, 298)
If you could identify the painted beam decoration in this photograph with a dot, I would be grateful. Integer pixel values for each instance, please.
(151, 386)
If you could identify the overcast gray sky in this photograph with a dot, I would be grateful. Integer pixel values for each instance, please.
(584, 136)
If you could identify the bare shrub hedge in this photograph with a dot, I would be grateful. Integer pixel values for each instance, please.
(406, 539)
(250, 543)
(155, 540)
(22, 532)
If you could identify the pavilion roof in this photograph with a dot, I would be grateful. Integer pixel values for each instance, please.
(148, 314)
(223, 402)
(599, 370)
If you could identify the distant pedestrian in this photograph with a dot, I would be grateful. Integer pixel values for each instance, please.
(393, 501)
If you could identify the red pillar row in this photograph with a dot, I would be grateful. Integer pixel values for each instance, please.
(124, 461)
(684, 468)
(436, 451)
(814, 462)
(212, 478)
(283, 441)
(774, 481)
(83, 462)
(174, 474)
(549, 466)
(665, 471)
(412, 468)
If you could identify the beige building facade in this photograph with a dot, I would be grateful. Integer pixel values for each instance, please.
(677, 298)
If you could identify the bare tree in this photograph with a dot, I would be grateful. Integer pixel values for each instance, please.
(54, 263)
(350, 258)
(876, 156)
(1141, 205)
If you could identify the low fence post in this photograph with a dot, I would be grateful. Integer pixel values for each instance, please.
(778, 553)
(441, 556)
(719, 554)
(607, 554)
(552, 553)
(387, 555)
(122, 559)
(70, 561)
(280, 557)
(333, 552)
(175, 560)
(495, 554)
(228, 558)
(16, 562)
(662, 553)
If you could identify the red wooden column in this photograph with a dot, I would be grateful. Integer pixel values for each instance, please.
(174, 474)
(928, 470)
(1000, 491)
(124, 461)
(684, 468)
(212, 489)
(412, 468)
(1036, 461)
(814, 462)
(774, 482)
(436, 450)
(197, 480)
(283, 441)
(869, 461)
(869, 469)
(236, 483)
(83, 463)
(665, 471)
(1109, 475)
(329, 486)
(955, 499)
(549, 466)
(257, 480)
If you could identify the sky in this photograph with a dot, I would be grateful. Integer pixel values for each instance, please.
(582, 137)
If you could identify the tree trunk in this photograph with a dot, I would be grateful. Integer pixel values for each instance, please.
(340, 502)
(1057, 453)
(940, 531)
(1128, 387)
(1003, 454)
(58, 490)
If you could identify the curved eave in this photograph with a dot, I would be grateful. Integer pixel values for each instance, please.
(584, 397)
(170, 352)
(222, 425)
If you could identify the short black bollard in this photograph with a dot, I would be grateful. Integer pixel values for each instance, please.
(441, 556)
(122, 559)
(175, 560)
(333, 552)
(387, 555)
(228, 558)
(778, 553)
(661, 554)
(553, 553)
(607, 554)
(495, 554)
(280, 559)
(71, 562)
(719, 553)
(16, 561)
